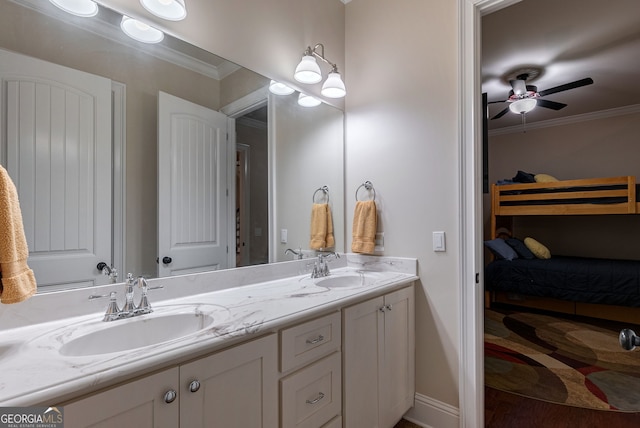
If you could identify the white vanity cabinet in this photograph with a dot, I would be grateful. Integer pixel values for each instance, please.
(379, 360)
(233, 387)
(311, 367)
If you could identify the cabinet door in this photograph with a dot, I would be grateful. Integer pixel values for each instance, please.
(398, 365)
(363, 342)
(236, 388)
(139, 404)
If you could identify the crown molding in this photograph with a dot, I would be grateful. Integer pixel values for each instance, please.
(602, 114)
(113, 33)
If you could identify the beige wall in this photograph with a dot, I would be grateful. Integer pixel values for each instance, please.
(606, 147)
(402, 135)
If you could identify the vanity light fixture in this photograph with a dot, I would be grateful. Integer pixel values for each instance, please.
(83, 8)
(307, 100)
(524, 105)
(172, 10)
(140, 31)
(278, 88)
(308, 71)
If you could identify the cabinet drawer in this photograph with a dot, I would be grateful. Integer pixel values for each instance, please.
(312, 396)
(309, 341)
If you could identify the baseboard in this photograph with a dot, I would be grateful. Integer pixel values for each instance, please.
(430, 413)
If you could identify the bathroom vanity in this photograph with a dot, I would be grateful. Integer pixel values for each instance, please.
(262, 346)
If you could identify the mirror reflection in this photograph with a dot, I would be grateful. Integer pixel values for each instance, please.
(86, 204)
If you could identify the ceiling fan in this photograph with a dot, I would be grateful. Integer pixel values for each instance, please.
(523, 98)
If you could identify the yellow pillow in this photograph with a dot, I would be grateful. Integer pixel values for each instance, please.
(544, 178)
(538, 250)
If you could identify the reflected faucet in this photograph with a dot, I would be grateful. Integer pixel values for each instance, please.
(298, 253)
(111, 272)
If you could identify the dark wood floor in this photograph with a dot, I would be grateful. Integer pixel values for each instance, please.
(505, 410)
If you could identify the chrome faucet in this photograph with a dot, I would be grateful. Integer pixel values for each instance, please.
(321, 267)
(129, 309)
(298, 253)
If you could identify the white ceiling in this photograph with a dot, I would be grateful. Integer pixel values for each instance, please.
(569, 40)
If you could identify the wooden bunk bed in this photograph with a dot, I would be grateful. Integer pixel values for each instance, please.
(594, 196)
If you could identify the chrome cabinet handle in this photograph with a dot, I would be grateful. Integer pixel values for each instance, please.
(382, 308)
(170, 396)
(389, 306)
(318, 339)
(315, 400)
(194, 386)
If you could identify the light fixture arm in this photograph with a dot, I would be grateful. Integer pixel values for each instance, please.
(313, 52)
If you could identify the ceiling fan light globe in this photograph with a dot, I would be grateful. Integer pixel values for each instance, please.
(524, 105)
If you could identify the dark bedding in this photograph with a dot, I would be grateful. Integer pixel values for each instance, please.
(578, 279)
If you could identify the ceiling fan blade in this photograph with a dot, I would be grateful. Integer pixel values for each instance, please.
(519, 86)
(550, 104)
(567, 86)
(502, 113)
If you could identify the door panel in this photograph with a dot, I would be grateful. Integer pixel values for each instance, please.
(57, 150)
(192, 187)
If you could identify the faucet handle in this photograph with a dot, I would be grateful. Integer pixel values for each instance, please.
(145, 307)
(113, 312)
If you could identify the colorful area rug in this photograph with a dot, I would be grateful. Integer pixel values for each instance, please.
(560, 361)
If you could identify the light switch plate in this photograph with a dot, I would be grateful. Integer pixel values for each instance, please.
(283, 236)
(439, 242)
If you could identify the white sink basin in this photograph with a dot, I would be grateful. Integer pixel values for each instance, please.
(133, 333)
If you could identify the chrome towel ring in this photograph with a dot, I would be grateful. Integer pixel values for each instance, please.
(324, 190)
(368, 186)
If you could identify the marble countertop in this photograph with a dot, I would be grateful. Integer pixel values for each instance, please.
(34, 371)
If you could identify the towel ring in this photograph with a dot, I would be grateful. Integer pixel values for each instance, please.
(323, 189)
(367, 185)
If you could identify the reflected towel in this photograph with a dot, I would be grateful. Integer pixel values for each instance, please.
(321, 227)
(18, 281)
(365, 225)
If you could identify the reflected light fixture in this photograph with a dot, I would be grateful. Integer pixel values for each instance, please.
(307, 100)
(84, 8)
(524, 105)
(280, 88)
(308, 71)
(140, 31)
(172, 10)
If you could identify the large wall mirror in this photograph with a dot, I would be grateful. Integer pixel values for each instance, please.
(281, 152)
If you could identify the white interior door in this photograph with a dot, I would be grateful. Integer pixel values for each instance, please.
(193, 187)
(56, 145)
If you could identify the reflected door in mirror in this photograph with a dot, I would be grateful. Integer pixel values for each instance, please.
(193, 207)
(58, 153)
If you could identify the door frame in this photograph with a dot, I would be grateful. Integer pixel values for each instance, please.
(471, 269)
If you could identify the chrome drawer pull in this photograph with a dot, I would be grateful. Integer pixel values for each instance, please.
(194, 386)
(315, 400)
(318, 339)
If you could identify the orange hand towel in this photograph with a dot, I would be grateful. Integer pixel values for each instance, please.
(365, 225)
(18, 281)
(321, 227)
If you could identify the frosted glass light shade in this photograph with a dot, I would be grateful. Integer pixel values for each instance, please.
(333, 87)
(172, 10)
(524, 105)
(280, 88)
(84, 8)
(308, 70)
(307, 100)
(140, 31)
